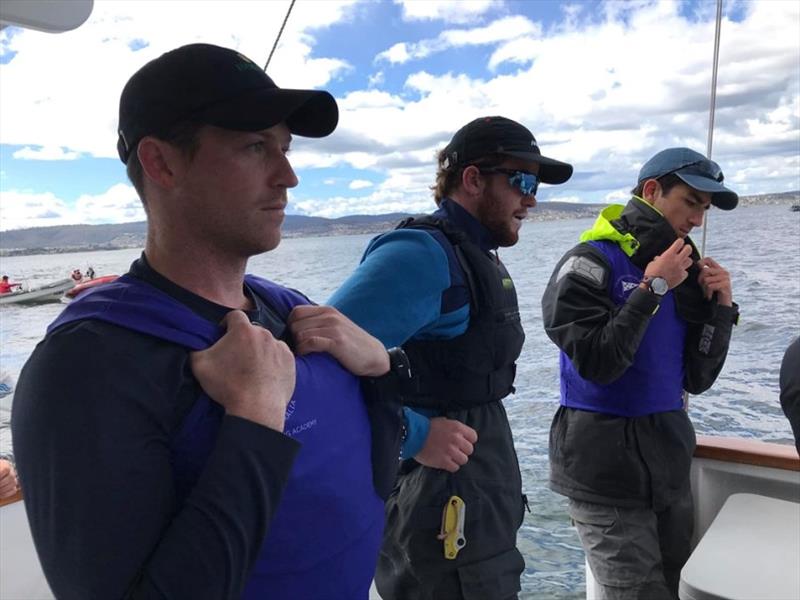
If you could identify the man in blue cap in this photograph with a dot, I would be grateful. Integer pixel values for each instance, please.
(639, 317)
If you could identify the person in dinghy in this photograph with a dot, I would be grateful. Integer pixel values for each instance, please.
(6, 286)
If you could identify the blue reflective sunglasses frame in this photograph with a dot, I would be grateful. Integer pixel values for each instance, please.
(527, 183)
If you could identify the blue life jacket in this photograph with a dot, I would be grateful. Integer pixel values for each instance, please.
(324, 537)
(654, 382)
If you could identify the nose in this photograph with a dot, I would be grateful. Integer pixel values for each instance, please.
(696, 219)
(284, 175)
(292, 177)
(529, 201)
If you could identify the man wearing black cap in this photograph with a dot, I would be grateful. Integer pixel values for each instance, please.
(436, 287)
(639, 317)
(206, 458)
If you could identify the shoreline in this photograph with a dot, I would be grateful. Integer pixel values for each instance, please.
(359, 225)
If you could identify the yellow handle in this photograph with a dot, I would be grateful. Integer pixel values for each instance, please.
(452, 531)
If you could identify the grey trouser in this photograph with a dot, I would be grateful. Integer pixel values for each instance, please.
(635, 553)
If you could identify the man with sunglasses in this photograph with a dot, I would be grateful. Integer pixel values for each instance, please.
(639, 317)
(436, 287)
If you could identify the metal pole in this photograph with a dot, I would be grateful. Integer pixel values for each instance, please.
(711, 109)
(277, 39)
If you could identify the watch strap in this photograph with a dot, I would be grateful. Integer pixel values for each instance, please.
(399, 363)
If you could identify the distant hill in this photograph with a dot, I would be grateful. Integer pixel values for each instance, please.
(76, 238)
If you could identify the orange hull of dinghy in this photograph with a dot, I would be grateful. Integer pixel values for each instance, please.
(86, 285)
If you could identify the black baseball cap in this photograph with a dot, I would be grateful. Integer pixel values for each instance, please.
(695, 170)
(497, 135)
(207, 84)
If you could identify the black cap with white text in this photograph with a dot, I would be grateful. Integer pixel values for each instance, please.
(486, 136)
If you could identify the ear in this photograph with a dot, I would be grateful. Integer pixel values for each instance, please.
(161, 162)
(650, 190)
(472, 182)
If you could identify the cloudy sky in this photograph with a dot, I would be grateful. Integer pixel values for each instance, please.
(603, 85)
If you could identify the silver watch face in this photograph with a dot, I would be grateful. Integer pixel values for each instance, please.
(659, 286)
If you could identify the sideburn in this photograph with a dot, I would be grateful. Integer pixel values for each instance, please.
(490, 214)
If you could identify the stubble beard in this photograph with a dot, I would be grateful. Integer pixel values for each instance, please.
(491, 215)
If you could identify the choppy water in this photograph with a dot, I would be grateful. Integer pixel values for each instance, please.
(759, 245)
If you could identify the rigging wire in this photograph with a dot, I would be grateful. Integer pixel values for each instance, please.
(277, 39)
(711, 109)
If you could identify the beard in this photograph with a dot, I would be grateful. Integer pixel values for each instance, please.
(494, 215)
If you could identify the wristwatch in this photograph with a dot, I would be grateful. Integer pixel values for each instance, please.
(399, 364)
(657, 285)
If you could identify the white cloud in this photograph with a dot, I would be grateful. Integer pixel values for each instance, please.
(118, 204)
(406, 190)
(452, 11)
(616, 197)
(593, 101)
(45, 153)
(369, 99)
(63, 90)
(360, 184)
(501, 30)
(507, 28)
(568, 199)
(604, 89)
(376, 79)
(397, 54)
(22, 209)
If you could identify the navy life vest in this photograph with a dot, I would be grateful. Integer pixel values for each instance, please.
(478, 366)
(654, 382)
(463, 378)
(325, 534)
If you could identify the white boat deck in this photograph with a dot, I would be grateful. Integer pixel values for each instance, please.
(22, 576)
(751, 551)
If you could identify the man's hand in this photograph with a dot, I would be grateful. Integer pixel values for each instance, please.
(8, 479)
(672, 264)
(248, 372)
(448, 446)
(325, 329)
(714, 278)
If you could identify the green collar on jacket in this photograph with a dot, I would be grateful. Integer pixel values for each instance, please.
(603, 229)
(638, 228)
(642, 233)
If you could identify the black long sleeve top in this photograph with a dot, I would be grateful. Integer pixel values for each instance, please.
(93, 454)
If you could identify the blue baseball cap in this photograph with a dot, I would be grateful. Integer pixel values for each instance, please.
(695, 170)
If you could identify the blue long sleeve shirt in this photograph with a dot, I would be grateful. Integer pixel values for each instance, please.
(410, 285)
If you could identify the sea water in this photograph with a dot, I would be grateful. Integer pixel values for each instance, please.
(759, 245)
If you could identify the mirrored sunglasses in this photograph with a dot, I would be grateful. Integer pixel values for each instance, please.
(527, 183)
